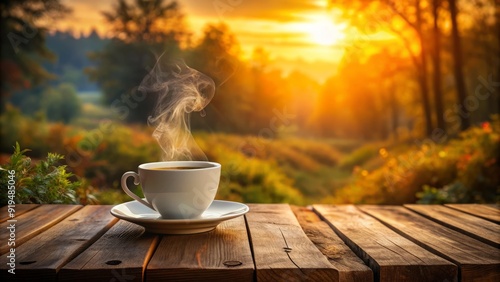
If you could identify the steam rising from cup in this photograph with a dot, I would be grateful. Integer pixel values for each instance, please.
(180, 90)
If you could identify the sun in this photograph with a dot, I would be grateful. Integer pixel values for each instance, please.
(322, 30)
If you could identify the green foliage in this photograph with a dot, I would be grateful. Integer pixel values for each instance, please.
(146, 21)
(115, 196)
(252, 179)
(320, 152)
(23, 42)
(145, 30)
(120, 149)
(294, 170)
(57, 102)
(465, 169)
(216, 53)
(453, 193)
(29, 132)
(105, 152)
(43, 182)
(72, 57)
(61, 103)
(119, 73)
(359, 156)
(278, 170)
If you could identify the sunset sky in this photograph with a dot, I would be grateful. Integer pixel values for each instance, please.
(291, 31)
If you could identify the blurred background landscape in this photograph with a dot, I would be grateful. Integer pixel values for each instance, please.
(380, 102)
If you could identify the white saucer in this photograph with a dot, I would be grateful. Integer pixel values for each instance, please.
(218, 212)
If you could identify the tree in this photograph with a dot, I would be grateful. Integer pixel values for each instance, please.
(391, 16)
(436, 62)
(72, 57)
(458, 66)
(392, 70)
(481, 48)
(422, 65)
(61, 103)
(216, 55)
(23, 42)
(144, 30)
(497, 28)
(147, 21)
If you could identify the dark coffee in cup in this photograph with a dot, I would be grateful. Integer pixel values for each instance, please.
(178, 167)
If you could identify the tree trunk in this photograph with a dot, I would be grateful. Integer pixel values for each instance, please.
(497, 18)
(436, 61)
(424, 88)
(394, 111)
(458, 67)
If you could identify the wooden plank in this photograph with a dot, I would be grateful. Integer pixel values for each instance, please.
(34, 222)
(120, 254)
(483, 211)
(19, 210)
(282, 251)
(390, 256)
(478, 228)
(220, 255)
(40, 258)
(348, 266)
(477, 261)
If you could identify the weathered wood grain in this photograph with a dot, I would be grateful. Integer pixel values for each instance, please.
(477, 261)
(120, 254)
(220, 255)
(71, 243)
(282, 251)
(19, 210)
(484, 211)
(478, 228)
(348, 266)
(34, 222)
(391, 256)
(40, 258)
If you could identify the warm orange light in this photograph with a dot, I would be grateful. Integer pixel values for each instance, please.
(322, 30)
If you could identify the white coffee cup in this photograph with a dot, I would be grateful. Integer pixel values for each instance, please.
(176, 189)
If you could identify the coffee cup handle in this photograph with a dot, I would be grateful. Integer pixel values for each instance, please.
(136, 182)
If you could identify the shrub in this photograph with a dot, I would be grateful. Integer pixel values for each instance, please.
(27, 131)
(359, 156)
(10, 122)
(465, 169)
(120, 149)
(453, 193)
(317, 150)
(246, 178)
(44, 182)
(61, 103)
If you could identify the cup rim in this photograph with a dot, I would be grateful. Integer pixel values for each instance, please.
(197, 165)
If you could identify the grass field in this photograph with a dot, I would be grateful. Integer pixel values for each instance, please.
(92, 97)
(293, 170)
(254, 169)
(287, 169)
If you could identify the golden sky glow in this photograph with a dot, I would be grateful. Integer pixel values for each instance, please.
(289, 30)
(321, 29)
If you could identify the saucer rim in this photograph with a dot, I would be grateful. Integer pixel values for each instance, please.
(159, 220)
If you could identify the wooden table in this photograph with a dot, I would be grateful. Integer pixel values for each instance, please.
(273, 242)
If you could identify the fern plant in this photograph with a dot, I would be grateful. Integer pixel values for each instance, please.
(45, 182)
